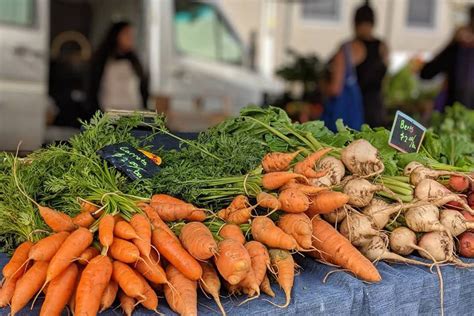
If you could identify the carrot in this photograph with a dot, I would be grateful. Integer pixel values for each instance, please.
(326, 202)
(269, 201)
(170, 247)
(128, 280)
(28, 285)
(173, 212)
(249, 283)
(94, 280)
(196, 216)
(150, 300)
(151, 269)
(18, 259)
(83, 219)
(197, 239)
(282, 262)
(277, 161)
(275, 180)
(265, 231)
(7, 290)
(87, 255)
(72, 299)
(259, 258)
(88, 207)
(118, 218)
(306, 166)
(46, 248)
(71, 248)
(232, 261)
(125, 231)
(124, 251)
(184, 302)
(299, 226)
(266, 287)
(108, 297)
(127, 303)
(304, 188)
(233, 216)
(293, 201)
(234, 289)
(232, 231)
(56, 220)
(211, 284)
(143, 229)
(240, 201)
(155, 219)
(334, 248)
(60, 291)
(106, 231)
(165, 199)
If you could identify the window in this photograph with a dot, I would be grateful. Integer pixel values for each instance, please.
(17, 12)
(325, 10)
(421, 13)
(202, 32)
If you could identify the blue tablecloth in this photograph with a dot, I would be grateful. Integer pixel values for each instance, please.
(404, 290)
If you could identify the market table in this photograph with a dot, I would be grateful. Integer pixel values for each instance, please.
(404, 290)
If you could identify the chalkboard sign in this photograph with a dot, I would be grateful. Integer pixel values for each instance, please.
(132, 162)
(407, 134)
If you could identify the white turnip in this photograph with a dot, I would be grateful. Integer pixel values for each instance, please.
(454, 222)
(361, 191)
(421, 173)
(380, 212)
(436, 193)
(403, 241)
(410, 167)
(358, 229)
(361, 159)
(335, 172)
(336, 216)
(438, 245)
(424, 218)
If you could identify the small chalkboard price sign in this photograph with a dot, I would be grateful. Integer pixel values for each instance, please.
(129, 160)
(406, 134)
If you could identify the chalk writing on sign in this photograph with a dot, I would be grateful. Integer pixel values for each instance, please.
(406, 134)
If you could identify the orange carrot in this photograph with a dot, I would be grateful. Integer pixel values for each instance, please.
(232, 261)
(260, 259)
(151, 269)
(71, 248)
(269, 201)
(57, 221)
(336, 249)
(266, 287)
(306, 166)
(94, 280)
(18, 259)
(60, 291)
(249, 283)
(108, 297)
(196, 216)
(197, 239)
(106, 231)
(118, 218)
(128, 280)
(240, 201)
(127, 303)
(46, 248)
(155, 219)
(283, 264)
(304, 188)
(293, 201)
(277, 161)
(232, 231)
(150, 300)
(211, 284)
(165, 199)
(265, 231)
(125, 231)
(299, 226)
(184, 302)
(88, 207)
(275, 180)
(233, 216)
(7, 290)
(170, 248)
(28, 285)
(83, 219)
(72, 299)
(143, 229)
(173, 212)
(124, 251)
(87, 255)
(326, 202)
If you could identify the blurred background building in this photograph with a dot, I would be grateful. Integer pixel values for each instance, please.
(204, 60)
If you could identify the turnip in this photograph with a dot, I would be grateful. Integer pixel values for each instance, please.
(358, 229)
(335, 172)
(436, 193)
(361, 191)
(336, 216)
(424, 218)
(438, 246)
(376, 249)
(361, 159)
(454, 222)
(421, 173)
(410, 167)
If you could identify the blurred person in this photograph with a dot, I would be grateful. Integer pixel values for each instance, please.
(356, 74)
(117, 78)
(456, 61)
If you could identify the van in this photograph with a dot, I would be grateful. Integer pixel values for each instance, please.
(199, 68)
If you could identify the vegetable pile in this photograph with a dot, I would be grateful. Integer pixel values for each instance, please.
(226, 213)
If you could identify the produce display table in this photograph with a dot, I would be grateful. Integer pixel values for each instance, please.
(404, 290)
